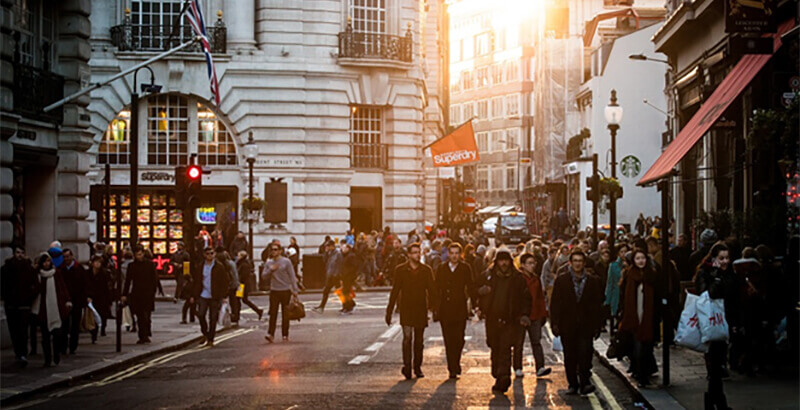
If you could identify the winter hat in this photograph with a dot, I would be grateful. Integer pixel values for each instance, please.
(56, 255)
(708, 237)
(503, 253)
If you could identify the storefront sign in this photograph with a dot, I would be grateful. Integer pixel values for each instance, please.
(151, 176)
(456, 148)
(750, 16)
(206, 215)
(630, 166)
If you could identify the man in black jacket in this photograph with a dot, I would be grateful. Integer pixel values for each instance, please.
(75, 276)
(413, 283)
(211, 283)
(144, 280)
(453, 286)
(575, 317)
(506, 304)
(19, 287)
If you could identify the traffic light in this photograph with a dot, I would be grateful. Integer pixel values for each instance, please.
(593, 188)
(194, 185)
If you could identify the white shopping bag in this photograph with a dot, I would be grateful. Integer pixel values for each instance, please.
(224, 315)
(96, 315)
(688, 334)
(557, 346)
(711, 315)
(127, 317)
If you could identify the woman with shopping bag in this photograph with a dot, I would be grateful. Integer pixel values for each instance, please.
(715, 276)
(638, 303)
(98, 294)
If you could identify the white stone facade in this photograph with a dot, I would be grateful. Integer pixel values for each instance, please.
(283, 80)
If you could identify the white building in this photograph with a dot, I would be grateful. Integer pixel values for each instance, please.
(333, 93)
(639, 138)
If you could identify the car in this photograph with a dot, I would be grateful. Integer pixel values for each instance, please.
(606, 229)
(489, 226)
(512, 228)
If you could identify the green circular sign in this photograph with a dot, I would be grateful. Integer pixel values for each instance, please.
(630, 166)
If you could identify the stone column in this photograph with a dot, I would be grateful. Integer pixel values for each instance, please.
(8, 126)
(240, 19)
(72, 209)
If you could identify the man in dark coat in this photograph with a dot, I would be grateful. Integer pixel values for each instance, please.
(681, 254)
(143, 279)
(506, 304)
(76, 277)
(211, 281)
(413, 282)
(453, 286)
(350, 265)
(19, 287)
(575, 316)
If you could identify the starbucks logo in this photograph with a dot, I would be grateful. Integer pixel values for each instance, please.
(631, 166)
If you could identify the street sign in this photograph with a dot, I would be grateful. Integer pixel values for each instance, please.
(470, 204)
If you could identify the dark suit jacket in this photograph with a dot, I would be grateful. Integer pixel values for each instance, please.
(573, 318)
(417, 294)
(142, 276)
(220, 280)
(453, 289)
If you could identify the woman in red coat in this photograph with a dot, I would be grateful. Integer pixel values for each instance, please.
(51, 306)
(638, 314)
(538, 317)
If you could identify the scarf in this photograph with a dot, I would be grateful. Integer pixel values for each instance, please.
(51, 299)
(633, 299)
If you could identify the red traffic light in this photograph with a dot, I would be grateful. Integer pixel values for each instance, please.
(194, 172)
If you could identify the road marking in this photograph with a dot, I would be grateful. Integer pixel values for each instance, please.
(359, 359)
(612, 402)
(441, 338)
(374, 347)
(389, 333)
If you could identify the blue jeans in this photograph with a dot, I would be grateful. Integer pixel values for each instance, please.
(210, 308)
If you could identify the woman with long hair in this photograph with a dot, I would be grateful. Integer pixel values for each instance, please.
(638, 303)
(99, 294)
(715, 275)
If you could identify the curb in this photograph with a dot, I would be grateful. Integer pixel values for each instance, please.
(77, 375)
(305, 292)
(657, 398)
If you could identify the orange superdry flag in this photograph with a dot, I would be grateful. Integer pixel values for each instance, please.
(456, 148)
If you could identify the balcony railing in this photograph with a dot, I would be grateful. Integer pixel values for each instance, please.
(378, 46)
(369, 156)
(137, 37)
(35, 89)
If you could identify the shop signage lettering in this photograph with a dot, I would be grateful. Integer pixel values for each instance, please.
(282, 162)
(750, 16)
(151, 176)
(207, 215)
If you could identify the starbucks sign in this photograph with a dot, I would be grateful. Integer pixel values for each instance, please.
(630, 166)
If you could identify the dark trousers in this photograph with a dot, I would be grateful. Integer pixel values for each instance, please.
(504, 337)
(643, 362)
(18, 329)
(279, 298)
(453, 335)
(208, 314)
(51, 343)
(534, 333)
(715, 360)
(417, 335)
(143, 320)
(71, 330)
(246, 299)
(577, 359)
(190, 308)
(347, 285)
(330, 283)
(236, 306)
(33, 329)
(101, 326)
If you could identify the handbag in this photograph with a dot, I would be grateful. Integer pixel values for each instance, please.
(87, 321)
(224, 315)
(127, 317)
(621, 345)
(295, 310)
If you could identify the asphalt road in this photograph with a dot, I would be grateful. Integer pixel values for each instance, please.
(330, 361)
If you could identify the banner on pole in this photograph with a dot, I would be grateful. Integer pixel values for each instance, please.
(456, 148)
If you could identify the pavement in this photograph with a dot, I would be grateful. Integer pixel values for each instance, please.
(331, 361)
(688, 383)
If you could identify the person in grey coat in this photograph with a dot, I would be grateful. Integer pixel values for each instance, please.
(279, 272)
(333, 273)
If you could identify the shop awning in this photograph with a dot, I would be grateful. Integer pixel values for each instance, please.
(727, 91)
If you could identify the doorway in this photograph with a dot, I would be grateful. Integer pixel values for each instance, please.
(366, 209)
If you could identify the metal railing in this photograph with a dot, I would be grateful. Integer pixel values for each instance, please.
(369, 156)
(35, 89)
(130, 37)
(379, 46)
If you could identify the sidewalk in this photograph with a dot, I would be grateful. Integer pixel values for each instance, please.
(688, 383)
(91, 359)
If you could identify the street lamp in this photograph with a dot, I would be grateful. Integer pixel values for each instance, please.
(642, 57)
(251, 153)
(613, 114)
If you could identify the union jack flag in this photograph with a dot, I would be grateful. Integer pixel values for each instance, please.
(195, 17)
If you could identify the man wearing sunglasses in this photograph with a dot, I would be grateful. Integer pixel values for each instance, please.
(278, 271)
(211, 282)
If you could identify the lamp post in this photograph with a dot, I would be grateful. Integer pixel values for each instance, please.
(613, 114)
(251, 153)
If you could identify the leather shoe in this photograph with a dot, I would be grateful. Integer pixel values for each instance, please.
(406, 372)
(573, 390)
(588, 389)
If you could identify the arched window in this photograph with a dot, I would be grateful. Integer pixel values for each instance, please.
(173, 127)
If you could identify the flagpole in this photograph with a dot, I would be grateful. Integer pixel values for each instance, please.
(93, 87)
(176, 22)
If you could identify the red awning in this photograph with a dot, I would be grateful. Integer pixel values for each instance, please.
(730, 88)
